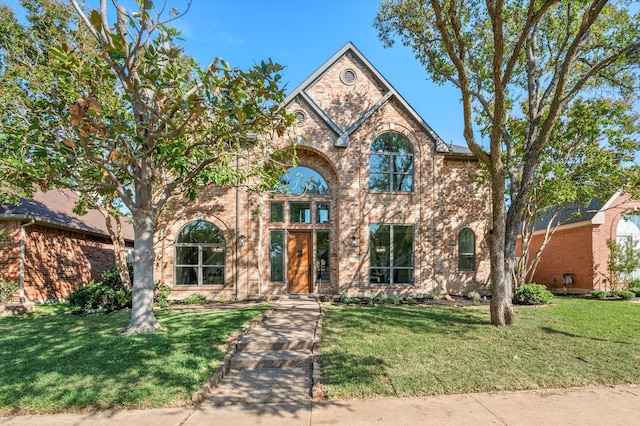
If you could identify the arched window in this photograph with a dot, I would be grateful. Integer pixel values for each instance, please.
(628, 233)
(303, 181)
(200, 255)
(466, 250)
(391, 163)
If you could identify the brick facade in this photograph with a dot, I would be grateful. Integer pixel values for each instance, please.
(580, 249)
(446, 197)
(63, 251)
(57, 261)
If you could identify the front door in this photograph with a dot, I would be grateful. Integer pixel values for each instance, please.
(299, 262)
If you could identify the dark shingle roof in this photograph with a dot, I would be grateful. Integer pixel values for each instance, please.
(572, 213)
(55, 207)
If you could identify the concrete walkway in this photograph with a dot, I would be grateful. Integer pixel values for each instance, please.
(274, 362)
(271, 379)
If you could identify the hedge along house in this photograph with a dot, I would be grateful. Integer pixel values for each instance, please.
(575, 259)
(51, 251)
(377, 203)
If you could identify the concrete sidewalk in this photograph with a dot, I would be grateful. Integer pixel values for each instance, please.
(618, 405)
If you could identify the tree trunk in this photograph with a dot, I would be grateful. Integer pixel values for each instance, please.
(143, 319)
(502, 264)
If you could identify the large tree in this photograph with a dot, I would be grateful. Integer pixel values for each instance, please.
(129, 116)
(509, 60)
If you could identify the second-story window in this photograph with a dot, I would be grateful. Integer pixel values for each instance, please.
(391, 163)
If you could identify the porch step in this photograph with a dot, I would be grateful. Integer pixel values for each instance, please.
(253, 345)
(260, 386)
(272, 359)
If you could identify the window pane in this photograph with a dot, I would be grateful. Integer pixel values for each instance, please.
(277, 212)
(200, 232)
(300, 212)
(322, 256)
(186, 255)
(186, 275)
(379, 276)
(379, 243)
(303, 180)
(322, 212)
(379, 182)
(403, 164)
(392, 142)
(466, 263)
(276, 256)
(212, 275)
(379, 163)
(403, 276)
(213, 255)
(391, 163)
(402, 246)
(403, 182)
(466, 250)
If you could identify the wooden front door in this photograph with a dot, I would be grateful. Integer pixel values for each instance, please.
(299, 262)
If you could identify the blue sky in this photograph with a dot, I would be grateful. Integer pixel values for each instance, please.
(302, 35)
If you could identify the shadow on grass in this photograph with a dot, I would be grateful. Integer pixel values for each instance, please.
(54, 363)
(577, 336)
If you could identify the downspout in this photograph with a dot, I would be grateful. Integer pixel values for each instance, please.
(237, 232)
(22, 250)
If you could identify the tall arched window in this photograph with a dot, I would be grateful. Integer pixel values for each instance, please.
(391, 163)
(628, 232)
(466, 250)
(200, 255)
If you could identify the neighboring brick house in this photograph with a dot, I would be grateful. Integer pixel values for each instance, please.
(378, 203)
(52, 251)
(575, 258)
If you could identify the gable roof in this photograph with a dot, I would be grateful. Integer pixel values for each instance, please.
(55, 208)
(577, 214)
(390, 93)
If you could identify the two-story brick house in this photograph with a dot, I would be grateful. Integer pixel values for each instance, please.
(377, 202)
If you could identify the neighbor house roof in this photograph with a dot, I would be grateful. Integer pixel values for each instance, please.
(342, 135)
(577, 214)
(55, 208)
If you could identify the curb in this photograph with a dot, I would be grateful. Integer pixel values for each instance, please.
(225, 364)
(316, 372)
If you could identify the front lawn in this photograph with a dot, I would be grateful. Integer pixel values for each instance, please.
(387, 351)
(51, 361)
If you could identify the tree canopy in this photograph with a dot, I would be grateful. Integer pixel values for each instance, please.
(519, 66)
(124, 113)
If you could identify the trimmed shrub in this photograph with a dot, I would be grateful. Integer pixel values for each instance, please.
(636, 290)
(598, 294)
(7, 288)
(97, 297)
(194, 299)
(107, 296)
(532, 294)
(626, 294)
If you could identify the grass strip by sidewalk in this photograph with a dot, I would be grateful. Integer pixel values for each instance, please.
(54, 362)
(385, 351)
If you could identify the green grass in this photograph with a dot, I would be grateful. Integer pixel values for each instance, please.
(387, 351)
(51, 361)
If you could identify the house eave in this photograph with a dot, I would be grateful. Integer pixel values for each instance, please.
(40, 221)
